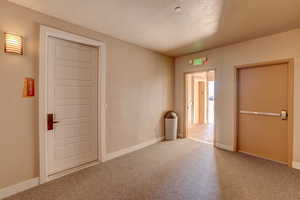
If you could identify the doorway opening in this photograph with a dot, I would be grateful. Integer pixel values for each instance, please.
(200, 106)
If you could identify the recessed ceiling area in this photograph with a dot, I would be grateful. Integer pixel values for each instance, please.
(155, 24)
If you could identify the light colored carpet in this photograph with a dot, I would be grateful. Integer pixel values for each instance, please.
(179, 170)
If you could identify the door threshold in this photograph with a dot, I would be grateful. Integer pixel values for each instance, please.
(71, 170)
(261, 157)
(202, 141)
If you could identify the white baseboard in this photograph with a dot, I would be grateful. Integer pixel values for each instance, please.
(224, 146)
(70, 171)
(20, 187)
(122, 152)
(296, 165)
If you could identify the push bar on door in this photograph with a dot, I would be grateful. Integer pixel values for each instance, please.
(283, 114)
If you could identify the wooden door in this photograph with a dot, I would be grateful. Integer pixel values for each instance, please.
(201, 93)
(72, 98)
(262, 95)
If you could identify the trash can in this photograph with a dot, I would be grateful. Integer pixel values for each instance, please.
(171, 125)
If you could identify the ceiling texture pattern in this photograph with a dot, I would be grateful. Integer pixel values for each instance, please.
(154, 24)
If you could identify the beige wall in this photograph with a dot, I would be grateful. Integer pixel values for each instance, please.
(139, 90)
(279, 46)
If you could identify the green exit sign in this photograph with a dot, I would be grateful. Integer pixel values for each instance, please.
(198, 61)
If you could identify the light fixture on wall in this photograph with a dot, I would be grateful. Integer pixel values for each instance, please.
(13, 44)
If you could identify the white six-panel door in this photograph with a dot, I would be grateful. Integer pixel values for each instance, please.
(72, 98)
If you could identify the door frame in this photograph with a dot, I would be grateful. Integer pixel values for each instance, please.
(290, 64)
(45, 33)
(185, 112)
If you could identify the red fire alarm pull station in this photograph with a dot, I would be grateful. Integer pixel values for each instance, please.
(28, 90)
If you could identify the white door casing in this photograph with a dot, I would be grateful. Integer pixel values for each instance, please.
(71, 85)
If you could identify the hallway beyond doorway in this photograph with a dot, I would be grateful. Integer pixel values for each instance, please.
(202, 133)
(200, 101)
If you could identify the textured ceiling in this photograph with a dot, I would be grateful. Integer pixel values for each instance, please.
(153, 24)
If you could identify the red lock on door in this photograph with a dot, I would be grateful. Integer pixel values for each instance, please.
(51, 121)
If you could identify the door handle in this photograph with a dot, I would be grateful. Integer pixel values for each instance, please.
(51, 121)
(283, 114)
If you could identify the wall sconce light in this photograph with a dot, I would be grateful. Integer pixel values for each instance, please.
(13, 43)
